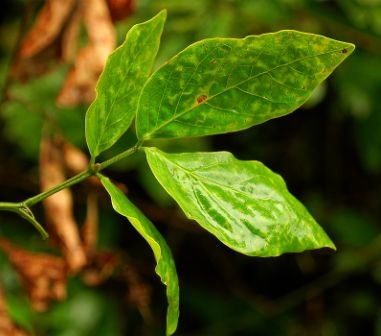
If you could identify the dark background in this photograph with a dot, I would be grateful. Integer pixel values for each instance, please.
(328, 152)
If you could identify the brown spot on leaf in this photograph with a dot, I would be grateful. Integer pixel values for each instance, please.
(201, 99)
(344, 51)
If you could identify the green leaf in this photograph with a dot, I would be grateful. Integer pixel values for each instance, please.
(243, 203)
(165, 264)
(120, 84)
(222, 85)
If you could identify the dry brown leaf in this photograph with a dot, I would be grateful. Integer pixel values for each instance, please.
(75, 162)
(70, 37)
(59, 207)
(79, 85)
(74, 159)
(100, 268)
(47, 27)
(110, 264)
(100, 29)
(44, 276)
(57, 29)
(121, 9)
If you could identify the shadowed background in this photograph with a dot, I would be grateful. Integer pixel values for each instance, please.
(328, 152)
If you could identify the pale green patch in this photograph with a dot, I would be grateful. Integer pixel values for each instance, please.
(165, 264)
(243, 203)
(223, 85)
(119, 86)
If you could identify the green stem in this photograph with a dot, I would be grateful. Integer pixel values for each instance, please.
(26, 213)
(67, 184)
(120, 156)
(23, 208)
(8, 206)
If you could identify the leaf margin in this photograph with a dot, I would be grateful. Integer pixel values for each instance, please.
(268, 251)
(97, 138)
(165, 268)
(200, 98)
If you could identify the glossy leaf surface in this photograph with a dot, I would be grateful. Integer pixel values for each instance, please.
(165, 264)
(120, 84)
(222, 85)
(243, 203)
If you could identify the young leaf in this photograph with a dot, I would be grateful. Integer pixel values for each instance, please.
(243, 203)
(165, 264)
(119, 86)
(222, 85)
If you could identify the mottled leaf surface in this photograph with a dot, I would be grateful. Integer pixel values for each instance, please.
(243, 203)
(120, 84)
(165, 264)
(222, 85)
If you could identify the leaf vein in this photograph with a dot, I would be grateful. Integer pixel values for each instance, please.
(268, 71)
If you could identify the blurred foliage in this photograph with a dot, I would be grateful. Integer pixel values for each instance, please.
(329, 152)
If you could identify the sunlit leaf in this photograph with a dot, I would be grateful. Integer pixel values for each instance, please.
(165, 264)
(223, 85)
(243, 203)
(119, 86)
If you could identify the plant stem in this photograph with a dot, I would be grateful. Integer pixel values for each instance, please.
(26, 213)
(8, 206)
(68, 183)
(120, 156)
(23, 208)
(92, 170)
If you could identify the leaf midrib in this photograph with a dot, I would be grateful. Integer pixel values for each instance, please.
(216, 199)
(208, 181)
(176, 116)
(130, 69)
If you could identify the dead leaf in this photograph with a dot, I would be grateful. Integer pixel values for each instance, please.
(70, 37)
(74, 159)
(105, 265)
(121, 9)
(79, 85)
(101, 267)
(57, 29)
(59, 207)
(43, 276)
(47, 27)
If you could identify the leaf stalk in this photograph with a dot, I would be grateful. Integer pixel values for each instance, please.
(120, 156)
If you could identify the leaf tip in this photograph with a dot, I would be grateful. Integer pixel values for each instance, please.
(161, 15)
(163, 12)
(348, 49)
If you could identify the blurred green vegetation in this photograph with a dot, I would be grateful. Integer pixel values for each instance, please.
(329, 153)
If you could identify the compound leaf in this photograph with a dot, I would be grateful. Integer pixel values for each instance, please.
(222, 85)
(119, 86)
(243, 203)
(165, 264)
